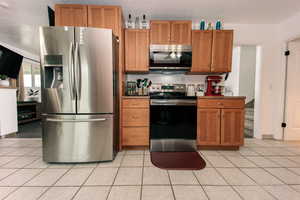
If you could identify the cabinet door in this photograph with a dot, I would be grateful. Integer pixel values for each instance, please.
(160, 32)
(104, 17)
(201, 44)
(136, 50)
(135, 136)
(208, 127)
(222, 50)
(181, 32)
(232, 127)
(70, 15)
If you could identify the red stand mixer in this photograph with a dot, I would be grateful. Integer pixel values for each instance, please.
(212, 87)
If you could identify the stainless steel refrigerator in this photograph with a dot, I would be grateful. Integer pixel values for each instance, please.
(79, 94)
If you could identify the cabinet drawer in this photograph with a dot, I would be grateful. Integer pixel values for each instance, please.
(135, 103)
(221, 103)
(135, 136)
(135, 117)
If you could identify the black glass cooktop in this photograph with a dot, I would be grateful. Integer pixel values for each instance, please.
(170, 95)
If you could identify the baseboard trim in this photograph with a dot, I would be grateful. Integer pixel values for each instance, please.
(10, 135)
(267, 137)
(218, 147)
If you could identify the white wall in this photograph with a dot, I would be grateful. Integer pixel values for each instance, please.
(272, 40)
(288, 30)
(266, 36)
(233, 79)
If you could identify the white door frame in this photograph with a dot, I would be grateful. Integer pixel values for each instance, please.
(284, 134)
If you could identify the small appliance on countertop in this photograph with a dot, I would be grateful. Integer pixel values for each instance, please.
(214, 86)
(190, 90)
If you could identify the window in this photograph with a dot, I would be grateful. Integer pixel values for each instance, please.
(30, 85)
(31, 75)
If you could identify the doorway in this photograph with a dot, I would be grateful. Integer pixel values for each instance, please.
(292, 97)
(242, 81)
(29, 100)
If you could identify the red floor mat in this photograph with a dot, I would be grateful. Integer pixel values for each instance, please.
(178, 160)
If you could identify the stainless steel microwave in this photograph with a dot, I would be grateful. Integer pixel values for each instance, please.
(170, 57)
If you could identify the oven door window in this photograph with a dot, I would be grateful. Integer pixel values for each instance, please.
(170, 59)
(173, 122)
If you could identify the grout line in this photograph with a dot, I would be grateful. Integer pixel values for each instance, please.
(202, 186)
(261, 186)
(17, 188)
(225, 156)
(111, 186)
(81, 185)
(49, 187)
(171, 185)
(142, 183)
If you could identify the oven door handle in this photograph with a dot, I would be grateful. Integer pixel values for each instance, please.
(173, 102)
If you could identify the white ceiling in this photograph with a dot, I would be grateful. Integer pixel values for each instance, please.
(20, 20)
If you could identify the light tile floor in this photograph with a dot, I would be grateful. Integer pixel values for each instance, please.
(261, 170)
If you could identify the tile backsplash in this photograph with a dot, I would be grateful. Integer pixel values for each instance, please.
(168, 78)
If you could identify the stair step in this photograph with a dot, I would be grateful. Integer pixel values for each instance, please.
(249, 128)
(250, 118)
(248, 133)
(249, 112)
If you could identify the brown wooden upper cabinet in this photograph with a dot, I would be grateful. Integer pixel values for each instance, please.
(212, 51)
(136, 50)
(170, 32)
(105, 17)
(71, 15)
(201, 48)
(222, 51)
(97, 16)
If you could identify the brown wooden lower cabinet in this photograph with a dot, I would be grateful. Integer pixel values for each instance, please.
(232, 127)
(220, 122)
(135, 122)
(208, 126)
(135, 136)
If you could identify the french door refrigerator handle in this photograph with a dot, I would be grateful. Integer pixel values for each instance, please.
(71, 70)
(76, 120)
(77, 70)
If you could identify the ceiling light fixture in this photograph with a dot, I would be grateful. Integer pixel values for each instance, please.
(4, 5)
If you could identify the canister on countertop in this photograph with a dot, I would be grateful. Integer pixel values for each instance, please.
(131, 88)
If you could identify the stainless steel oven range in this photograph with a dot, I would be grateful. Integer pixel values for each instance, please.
(173, 119)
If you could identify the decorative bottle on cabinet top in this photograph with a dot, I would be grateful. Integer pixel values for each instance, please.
(202, 25)
(129, 22)
(218, 25)
(144, 22)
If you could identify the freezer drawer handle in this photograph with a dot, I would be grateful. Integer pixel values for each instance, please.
(76, 120)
